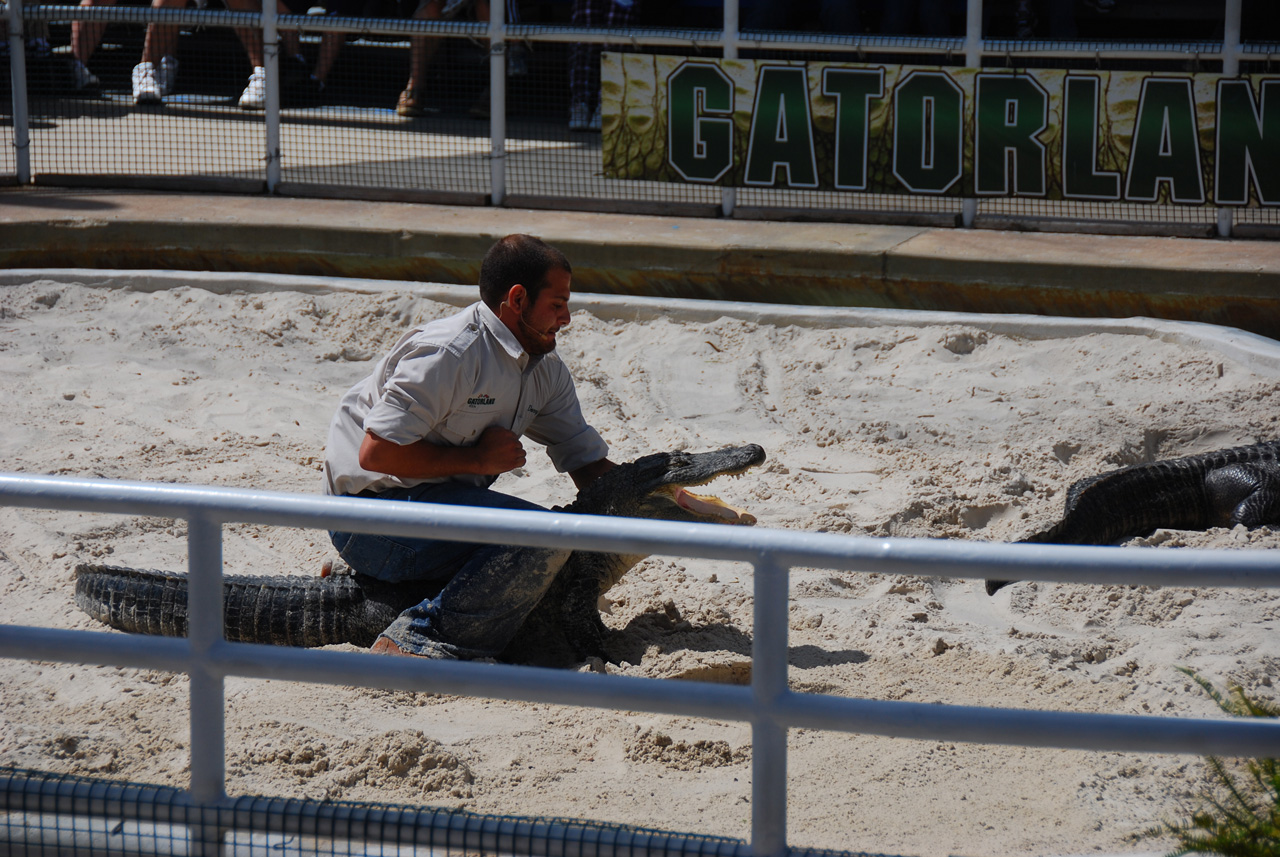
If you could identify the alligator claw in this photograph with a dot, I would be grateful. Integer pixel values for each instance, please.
(994, 586)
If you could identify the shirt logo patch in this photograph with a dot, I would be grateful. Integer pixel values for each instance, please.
(480, 400)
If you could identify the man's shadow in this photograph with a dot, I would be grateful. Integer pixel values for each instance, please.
(541, 642)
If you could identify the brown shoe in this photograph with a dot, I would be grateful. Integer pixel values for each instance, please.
(412, 104)
(385, 646)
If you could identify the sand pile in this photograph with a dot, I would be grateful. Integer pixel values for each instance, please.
(941, 431)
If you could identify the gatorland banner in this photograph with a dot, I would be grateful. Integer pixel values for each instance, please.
(1189, 139)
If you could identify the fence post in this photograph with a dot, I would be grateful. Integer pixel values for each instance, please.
(1230, 68)
(972, 59)
(204, 631)
(18, 83)
(729, 195)
(769, 657)
(271, 56)
(497, 102)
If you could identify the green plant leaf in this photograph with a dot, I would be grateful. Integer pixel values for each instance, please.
(1242, 817)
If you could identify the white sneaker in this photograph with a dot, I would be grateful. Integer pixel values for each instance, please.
(82, 77)
(146, 89)
(254, 96)
(168, 74)
(578, 117)
(597, 121)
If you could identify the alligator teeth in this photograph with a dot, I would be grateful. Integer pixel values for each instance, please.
(712, 506)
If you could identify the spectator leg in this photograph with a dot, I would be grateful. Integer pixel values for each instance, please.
(250, 38)
(161, 39)
(289, 39)
(87, 35)
(423, 48)
(330, 46)
(584, 59)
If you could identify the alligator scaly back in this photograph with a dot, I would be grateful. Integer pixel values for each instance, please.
(1214, 489)
(1240, 485)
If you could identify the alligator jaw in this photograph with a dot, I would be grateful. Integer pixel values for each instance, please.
(709, 507)
(727, 462)
(712, 507)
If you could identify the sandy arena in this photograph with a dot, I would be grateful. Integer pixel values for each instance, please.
(938, 430)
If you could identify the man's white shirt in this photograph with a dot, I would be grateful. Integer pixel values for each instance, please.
(446, 382)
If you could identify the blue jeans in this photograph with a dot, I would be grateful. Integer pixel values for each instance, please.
(488, 589)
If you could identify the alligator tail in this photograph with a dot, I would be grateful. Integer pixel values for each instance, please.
(278, 610)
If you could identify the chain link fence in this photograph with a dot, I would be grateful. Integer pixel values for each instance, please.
(457, 101)
(60, 814)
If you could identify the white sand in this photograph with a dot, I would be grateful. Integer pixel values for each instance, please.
(944, 431)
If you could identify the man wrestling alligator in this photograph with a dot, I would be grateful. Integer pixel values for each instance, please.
(438, 420)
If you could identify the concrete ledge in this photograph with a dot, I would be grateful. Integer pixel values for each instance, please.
(1234, 283)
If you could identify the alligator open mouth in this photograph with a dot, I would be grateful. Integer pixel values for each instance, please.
(702, 469)
(709, 506)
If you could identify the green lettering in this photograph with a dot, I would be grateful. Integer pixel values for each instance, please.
(853, 90)
(1011, 112)
(781, 136)
(1166, 144)
(928, 130)
(1248, 144)
(700, 146)
(1081, 178)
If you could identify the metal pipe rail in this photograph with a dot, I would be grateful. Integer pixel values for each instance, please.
(768, 704)
(651, 36)
(192, 17)
(933, 557)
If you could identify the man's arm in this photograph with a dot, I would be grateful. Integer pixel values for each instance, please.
(497, 451)
(588, 473)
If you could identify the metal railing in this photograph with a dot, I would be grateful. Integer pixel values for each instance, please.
(768, 704)
(565, 171)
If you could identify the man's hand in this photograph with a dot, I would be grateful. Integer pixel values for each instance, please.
(585, 475)
(497, 451)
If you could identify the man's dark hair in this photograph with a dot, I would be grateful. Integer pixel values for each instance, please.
(519, 259)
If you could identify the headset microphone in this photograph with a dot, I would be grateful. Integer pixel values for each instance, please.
(545, 337)
(541, 334)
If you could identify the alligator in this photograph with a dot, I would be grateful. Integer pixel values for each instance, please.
(289, 610)
(1240, 485)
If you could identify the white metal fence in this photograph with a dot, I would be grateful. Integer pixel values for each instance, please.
(768, 704)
